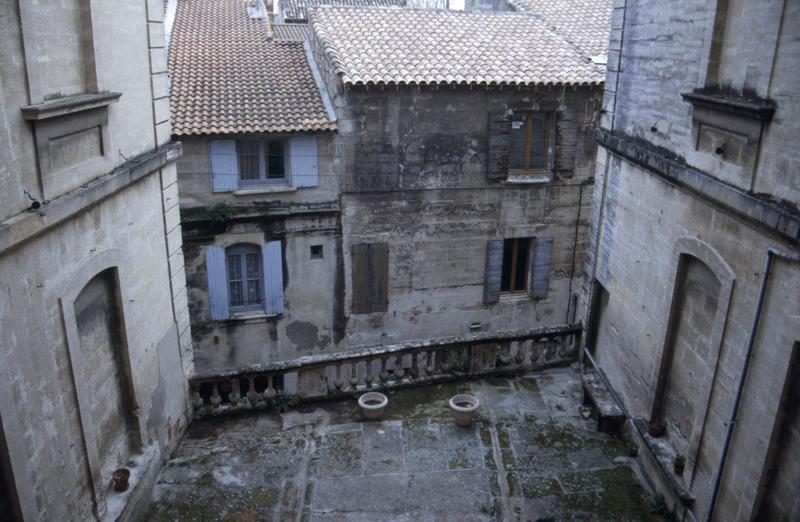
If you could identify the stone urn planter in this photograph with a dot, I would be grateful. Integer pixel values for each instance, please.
(119, 479)
(372, 404)
(464, 407)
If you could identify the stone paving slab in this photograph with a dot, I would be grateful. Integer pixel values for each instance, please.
(529, 456)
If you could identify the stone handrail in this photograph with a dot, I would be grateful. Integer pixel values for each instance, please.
(382, 367)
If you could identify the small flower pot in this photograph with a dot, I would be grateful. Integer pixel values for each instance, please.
(464, 407)
(656, 428)
(372, 404)
(119, 479)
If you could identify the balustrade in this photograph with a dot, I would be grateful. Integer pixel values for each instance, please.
(387, 367)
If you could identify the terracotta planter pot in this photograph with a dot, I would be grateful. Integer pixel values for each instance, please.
(372, 404)
(119, 479)
(464, 407)
(656, 428)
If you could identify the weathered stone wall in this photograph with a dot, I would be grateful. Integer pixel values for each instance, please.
(643, 221)
(414, 175)
(299, 218)
(62, 365)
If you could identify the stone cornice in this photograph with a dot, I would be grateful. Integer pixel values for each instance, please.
(761, 209)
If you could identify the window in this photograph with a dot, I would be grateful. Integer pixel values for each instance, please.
(261, 161)
(316, 251)
(370, 272)
(515, 265)
(244, 276)
(530, 141)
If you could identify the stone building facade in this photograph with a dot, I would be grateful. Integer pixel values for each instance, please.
(445, 231)
(416, 224)
(692, 272)
(93, 310)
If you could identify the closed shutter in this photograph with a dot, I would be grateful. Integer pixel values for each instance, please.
(493, 274)
(370, 271)
(303, 150)
(273, 277)
(499, 145)
(224, 165)
(566, 143)
(217, 282)
(540, 266)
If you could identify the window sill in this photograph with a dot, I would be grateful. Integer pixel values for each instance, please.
(68, 105)
(249, 317)
(539, 178)
(521, 296)
(264, 190)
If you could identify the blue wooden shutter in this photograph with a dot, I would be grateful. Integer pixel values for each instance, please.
(303, 150)
(217, 282)
(224, 165)
(540, 266)
(273, 277)
(493, 273)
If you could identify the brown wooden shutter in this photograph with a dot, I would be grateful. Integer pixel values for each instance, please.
(493, 272)
(566, 142)
(370, 270)
(499, 145)
(540, 266)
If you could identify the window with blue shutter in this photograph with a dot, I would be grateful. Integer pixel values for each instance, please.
(493, 271)
(217, 282)
(224, 165)
(304, 161)
(540, 266)
(273, 277)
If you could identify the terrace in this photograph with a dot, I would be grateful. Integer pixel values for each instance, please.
(532, 454)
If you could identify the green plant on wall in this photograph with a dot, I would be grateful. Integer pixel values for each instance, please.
(221, 213)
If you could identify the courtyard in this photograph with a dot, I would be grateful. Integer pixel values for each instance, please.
(531, 455)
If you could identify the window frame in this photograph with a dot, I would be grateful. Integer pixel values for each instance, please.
(513, 291)
(263, 161)
(241, 250)
(548, 137)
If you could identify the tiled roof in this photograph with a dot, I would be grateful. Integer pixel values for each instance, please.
(297, 10)
(290, 32)
(584, 23)
(414, 46)
(227, 77)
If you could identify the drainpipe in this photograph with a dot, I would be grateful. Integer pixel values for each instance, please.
(587, 181)
(772, 253)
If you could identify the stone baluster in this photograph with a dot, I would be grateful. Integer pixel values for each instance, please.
(197, 400)
(216, 398)
(519, 357)
(384, 375)
(414, 370)
(354, 375)
(235, 393)
(251, 390)
(399, 369)
(368, 378)
(270, 392)
(443, 365)
(535, 352)
(338, 381)
(430, 363)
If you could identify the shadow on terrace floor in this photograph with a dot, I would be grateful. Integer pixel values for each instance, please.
(531, 456)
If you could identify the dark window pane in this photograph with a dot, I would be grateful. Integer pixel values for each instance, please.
(234, 267)
(247, 151)
(523, 246)
(236, 297)
(508, 253)
(516, 154)
(275, 159)
(253, 291)
(253, 270)
(539, 140)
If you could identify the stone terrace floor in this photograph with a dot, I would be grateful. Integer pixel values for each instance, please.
(530, 456)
